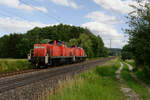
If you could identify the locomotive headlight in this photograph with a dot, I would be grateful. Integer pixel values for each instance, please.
(46, 59)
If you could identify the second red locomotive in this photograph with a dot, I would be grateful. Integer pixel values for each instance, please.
(55, 52)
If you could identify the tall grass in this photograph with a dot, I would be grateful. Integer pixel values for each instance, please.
(98, 84)
(8, 65)
(141, 73)
(138, 88)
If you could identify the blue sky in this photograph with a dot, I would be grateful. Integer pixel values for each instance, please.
(102, 17)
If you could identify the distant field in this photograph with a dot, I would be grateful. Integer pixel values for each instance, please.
(8, 65)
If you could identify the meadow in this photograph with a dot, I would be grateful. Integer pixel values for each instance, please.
(9, 65)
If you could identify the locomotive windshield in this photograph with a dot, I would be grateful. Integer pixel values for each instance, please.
(73, 46)
(58, 43)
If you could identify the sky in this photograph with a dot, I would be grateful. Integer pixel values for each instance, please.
(106, 18)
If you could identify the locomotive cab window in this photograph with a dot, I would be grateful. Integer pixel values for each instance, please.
(59, 43)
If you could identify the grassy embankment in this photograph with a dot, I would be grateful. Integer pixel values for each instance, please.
(8, 65)
(139, 89)
(141, 73)
(98, 84)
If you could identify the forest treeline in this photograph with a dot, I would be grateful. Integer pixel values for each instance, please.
(18, 45)
(139, 36)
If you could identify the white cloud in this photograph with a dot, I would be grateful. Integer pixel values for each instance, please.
(42, 9)
(67, 3)
(121, 6)
(18, 5)
(103, 18)
(115, 43)
(106, 32)
(103, 25)
(11, 25)
(103, 30)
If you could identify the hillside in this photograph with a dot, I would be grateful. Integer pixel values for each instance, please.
(18, 45)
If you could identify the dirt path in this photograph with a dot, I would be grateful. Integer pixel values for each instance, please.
(128, 92)
(135, 77)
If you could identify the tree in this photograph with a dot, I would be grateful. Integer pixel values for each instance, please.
(9, 45)
(139, 32)
(73, 42)
(126, 52)
(86, 43)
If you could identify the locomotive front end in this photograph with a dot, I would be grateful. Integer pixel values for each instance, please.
(38, 56)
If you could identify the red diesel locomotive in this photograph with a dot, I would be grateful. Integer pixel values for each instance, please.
(55, 52)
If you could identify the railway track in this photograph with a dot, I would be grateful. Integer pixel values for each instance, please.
(7, 74)
(17, 73)
(6, 85)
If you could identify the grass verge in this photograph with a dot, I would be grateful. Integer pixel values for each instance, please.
(141, 73)
(98, 84)
(139, 89)
(8, 65)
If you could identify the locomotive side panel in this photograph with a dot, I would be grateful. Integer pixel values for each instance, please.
(72, 52)
(63, 51)
(56, 51)
(67, 51)
(77, 52)
(82, 52)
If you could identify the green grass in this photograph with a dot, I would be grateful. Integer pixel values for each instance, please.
(140, 73)
(143, 92)
(8, 65)
(131, 62)
(98, 84)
